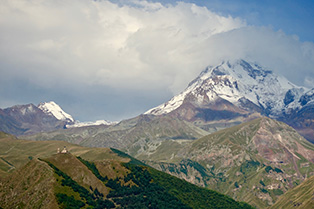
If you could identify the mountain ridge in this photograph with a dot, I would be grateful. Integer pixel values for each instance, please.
(220, 97)
(45, 117)
(233, 90)
(30, 119)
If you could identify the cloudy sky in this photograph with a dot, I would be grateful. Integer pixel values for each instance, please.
(116, 59)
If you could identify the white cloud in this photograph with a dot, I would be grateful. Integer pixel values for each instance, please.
(141, 46)
(99, 42)
(273, 49)
(309, 81)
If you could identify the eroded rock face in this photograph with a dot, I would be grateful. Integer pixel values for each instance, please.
(188, 170)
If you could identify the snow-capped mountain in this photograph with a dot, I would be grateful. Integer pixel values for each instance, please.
(238, 83)
(29, 119)
(239, 89)
(47, 116)
(51, 108)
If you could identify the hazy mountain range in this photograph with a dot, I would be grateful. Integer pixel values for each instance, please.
(220, 97)
(222, 132)
(47, 116)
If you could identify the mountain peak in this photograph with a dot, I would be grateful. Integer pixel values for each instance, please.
(51, 108)
(244, 71)
(234, 81)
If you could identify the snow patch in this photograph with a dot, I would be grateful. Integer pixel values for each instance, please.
(97, 123)
(51, 108)
(28, 109)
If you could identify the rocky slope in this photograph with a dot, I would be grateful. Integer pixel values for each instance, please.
(142, 134)
(255, 162)
(231, 91)
(99, 178)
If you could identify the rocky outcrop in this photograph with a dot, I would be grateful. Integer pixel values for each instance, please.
(188, 170)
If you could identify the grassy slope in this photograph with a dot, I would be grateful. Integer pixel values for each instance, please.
(15, 153)
(70, 165)
(29, 187)
(35, 183)
(301, 197)
(196, 197)
(236, 164)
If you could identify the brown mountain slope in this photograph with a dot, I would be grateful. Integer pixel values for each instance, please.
(255, 162)
(70, 165)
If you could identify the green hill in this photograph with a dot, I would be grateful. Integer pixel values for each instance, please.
(96, 178)
(15, 153)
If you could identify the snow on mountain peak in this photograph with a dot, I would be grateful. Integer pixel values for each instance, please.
(234, 81)
(51, 108)
(97, 123)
